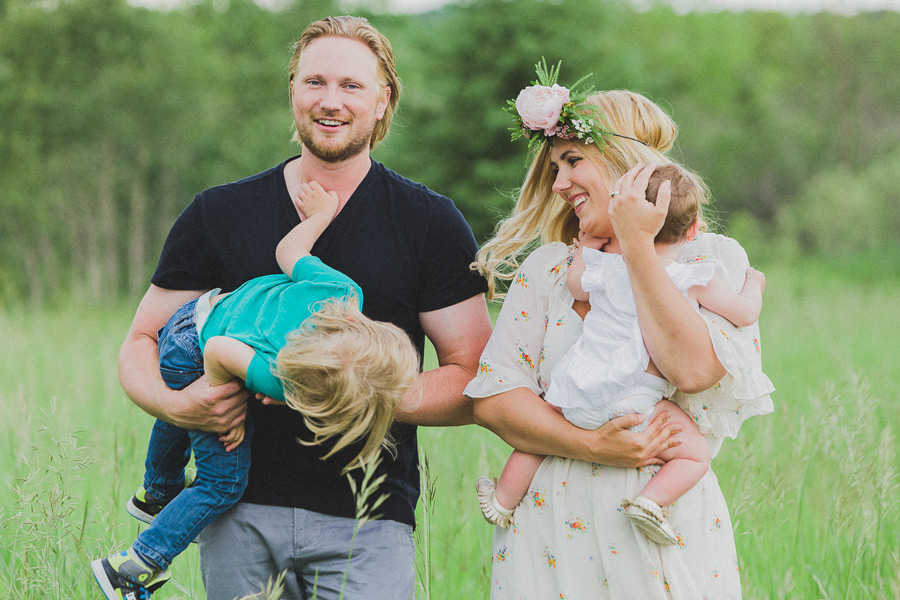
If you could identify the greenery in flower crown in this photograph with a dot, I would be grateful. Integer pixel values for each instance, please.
(578, 119)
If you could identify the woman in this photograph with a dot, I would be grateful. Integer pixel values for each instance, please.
(569, 538)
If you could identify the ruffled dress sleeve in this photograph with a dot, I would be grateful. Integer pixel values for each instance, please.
(520, 353)
(745, 390)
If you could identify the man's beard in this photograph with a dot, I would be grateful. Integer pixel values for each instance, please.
(333, 154)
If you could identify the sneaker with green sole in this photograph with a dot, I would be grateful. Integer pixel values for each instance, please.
(145, 509)
(124, 576)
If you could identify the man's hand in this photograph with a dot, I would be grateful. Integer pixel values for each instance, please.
(217, 408)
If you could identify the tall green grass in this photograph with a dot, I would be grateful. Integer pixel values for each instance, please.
(813, 488)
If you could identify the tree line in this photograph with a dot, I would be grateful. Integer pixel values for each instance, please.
(112, 117)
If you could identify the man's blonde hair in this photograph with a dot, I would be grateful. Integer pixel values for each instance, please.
(347, 374)
(359, 29)
(541, 216)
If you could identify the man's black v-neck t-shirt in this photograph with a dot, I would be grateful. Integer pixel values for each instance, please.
(408, 248)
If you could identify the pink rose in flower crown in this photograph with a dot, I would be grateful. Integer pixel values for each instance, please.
(539, 106)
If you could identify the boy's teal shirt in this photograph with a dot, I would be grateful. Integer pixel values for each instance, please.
(262, 312)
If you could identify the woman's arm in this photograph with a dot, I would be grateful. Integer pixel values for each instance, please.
(676, 336)
(507, 387)
(525, 422)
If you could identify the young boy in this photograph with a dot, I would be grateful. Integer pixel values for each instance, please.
(297, 337)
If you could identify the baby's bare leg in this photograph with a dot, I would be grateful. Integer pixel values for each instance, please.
(516, 477)
(685, 463)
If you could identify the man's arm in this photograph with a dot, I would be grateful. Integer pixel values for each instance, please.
(198, 406)
(458, 333)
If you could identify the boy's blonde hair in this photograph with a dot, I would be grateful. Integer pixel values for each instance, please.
(542, 216)
(347, 374)
(689, 195)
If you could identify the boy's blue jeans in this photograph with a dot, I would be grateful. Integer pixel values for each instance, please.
(221, 476)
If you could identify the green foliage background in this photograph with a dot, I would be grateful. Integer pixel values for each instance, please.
(112, 117)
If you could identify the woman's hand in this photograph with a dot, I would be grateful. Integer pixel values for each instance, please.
(634, 219)
(618, 446)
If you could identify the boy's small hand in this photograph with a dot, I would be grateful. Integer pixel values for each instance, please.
(232, 438)
(269, 401)
(313, 199)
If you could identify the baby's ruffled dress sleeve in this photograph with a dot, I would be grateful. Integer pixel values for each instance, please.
(745, 390)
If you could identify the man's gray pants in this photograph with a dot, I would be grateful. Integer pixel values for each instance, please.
(251, 543)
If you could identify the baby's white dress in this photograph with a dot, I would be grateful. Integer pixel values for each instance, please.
(569, 538)
(603, 375)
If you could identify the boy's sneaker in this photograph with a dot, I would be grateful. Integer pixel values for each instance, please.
(145, 509)
(124, 576)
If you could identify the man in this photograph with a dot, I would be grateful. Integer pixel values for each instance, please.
(407, 248)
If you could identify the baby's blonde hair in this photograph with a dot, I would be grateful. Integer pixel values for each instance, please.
(347, 374)
(541, 216)
(689, 195)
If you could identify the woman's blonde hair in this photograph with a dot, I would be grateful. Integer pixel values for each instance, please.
(347, 374)
(359, 29)
(541, 216)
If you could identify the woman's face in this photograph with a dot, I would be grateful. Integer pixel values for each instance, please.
(581, 183)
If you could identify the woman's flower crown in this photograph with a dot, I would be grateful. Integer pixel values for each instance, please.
(545, 109)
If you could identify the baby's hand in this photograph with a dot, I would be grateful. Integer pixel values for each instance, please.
(591, 241)
(313, 199)
(754, 276)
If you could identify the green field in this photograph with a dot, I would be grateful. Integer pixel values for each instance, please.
(813, 488)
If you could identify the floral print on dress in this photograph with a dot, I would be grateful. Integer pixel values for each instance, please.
(521, 280)
(502, 553)
(484, 367)
(538, 498)
(576, 525)
(549, 557)
(525, 358)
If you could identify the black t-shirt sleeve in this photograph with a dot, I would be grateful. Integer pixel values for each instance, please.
(447, 251)
(184, 263)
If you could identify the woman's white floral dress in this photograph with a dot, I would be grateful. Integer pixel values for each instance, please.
(569, 539)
